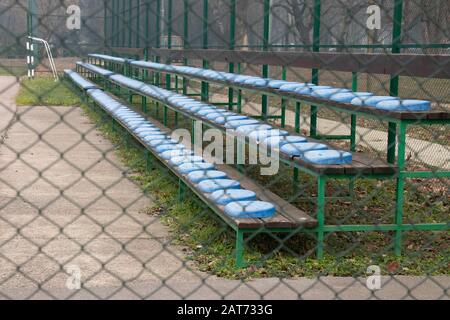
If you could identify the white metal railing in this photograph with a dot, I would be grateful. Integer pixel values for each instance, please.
(49, 54)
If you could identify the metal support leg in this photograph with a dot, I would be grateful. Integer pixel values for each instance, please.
(239, 249)
(400, 188)
(392, 132)
(320, 216)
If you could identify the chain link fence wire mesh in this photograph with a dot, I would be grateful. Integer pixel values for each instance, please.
(87, 210)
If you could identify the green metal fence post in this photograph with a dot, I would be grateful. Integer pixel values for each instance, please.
(353, 117)
(393, 88)
(130, 18)
(231, 46)
(185, 40)
(284, 102)
(400, 187)
(239, 249)
(265, 68)
(315, 72)
(205, 85)
(320, 216)
(138, 24)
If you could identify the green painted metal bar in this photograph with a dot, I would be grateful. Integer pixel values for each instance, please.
(394, 83)
(185, 40)
(169, 40)
(425, 174)
(130, 18)
(315, 72)
(240, 249)
(320, 216)
(284, 102)
(138, 24)
(353, 119)
(232, 44)
(400, 187)
(265, 68)
(205, 85)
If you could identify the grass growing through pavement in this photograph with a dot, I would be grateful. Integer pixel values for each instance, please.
(44, 91)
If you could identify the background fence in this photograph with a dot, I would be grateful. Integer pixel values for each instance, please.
(77, 200)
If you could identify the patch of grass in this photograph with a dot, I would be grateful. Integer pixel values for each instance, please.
(12, 71)
(209, 242)
(44, 91)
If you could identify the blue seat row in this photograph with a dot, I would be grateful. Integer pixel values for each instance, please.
(214, 184)
(95, 69)
(79, 80)
(108, 58)
(256, 131)
(342, 95)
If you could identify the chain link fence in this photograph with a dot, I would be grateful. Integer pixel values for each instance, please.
(89, 210)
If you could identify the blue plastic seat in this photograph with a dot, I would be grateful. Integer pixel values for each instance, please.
(210, 186)
(327, 93)
(224, 197)
(202, 175)
(347, 97)
(214, 115)
(189, 167)
(250, 209)
(168, 147)
(308, 90)
(261, 135)
(259, 82)
(241, 78)
(154, 143)
(177, 161)
(328, 157)
(224, 119)
(404, 105)
(298, 149)
(153, 137)
(292, 87)
(276, 84)
(238, 123)
(203, 112)
(167, 155)
(277, 142)
(371, 101)
(246, 130)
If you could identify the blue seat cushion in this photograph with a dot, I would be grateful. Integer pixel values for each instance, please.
(214, 115)
(187, 168)
(298, 149)
(308, 90)
(201, 175)
(150, 137)
(293, 86)
(203, 112)
(157, 142)
(347, 97)
(328, 157)
(224, 119)
(167, 155)
(167, 147)
(245, 130)
(371, 101)
(261, 135)
(177, 161)
(277, 142)
(210, 186)
(404, 105)
(250, 209)
(276, 84)
(327, 93)
(224, 197)
(238, 123)
(257, 82)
